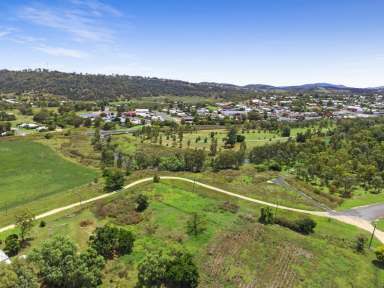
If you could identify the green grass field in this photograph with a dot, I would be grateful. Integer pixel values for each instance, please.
(31, 171)
(253, 138)
(361, 197)
(234, 251)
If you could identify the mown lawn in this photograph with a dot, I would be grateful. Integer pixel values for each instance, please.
(30, 171)
(235, 250)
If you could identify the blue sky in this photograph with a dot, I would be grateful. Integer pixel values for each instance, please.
(279, 42)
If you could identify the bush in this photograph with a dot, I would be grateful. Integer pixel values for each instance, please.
(12, 245)
(141, 203)
(304, 226)
(240, 138)
(286, 223)
(380, 254)
(156, 178)
(42, 224)
(286, 132)
(266, 216)
(361, 240)
(227, 160)
(172, 163)
(274, 166)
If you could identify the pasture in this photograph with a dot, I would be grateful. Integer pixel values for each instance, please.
(31, 171)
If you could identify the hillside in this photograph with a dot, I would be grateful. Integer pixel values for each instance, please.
(97, 87)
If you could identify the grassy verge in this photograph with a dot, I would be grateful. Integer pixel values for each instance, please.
(362, 200)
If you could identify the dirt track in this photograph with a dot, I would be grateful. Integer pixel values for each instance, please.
(345, 217)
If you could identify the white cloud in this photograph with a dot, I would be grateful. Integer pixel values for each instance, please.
(62, 52)
(81, 24)
(4, 33)
(97, 8)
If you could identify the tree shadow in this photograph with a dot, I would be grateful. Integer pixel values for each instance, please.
(378, 264)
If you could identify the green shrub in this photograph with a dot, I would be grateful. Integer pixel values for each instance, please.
(266, 216)
(361, 240)
(156, 178)
(274, 166)
(12, 245)
(304, 226)
(141, 203)
(380, 254)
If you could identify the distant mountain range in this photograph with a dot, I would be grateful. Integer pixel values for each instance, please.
(94, 87)
(310, 87)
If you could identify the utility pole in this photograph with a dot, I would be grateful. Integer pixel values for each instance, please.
(373, 234)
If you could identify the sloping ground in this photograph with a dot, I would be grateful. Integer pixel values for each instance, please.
(256, 256)
(31, 171)
(234, 251)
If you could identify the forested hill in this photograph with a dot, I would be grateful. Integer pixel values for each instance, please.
(94, 87)
(90, 87)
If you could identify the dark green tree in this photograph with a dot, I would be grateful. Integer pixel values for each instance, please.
(24, 222)
(19, 274)
(111, 241)
(286, 132)
(172, 267)
(231, 137)
(114, 180)
(59, 265)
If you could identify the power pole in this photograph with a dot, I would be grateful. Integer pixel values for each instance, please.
(373, 234)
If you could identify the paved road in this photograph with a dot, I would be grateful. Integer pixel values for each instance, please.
(349, 219)
(369, 212)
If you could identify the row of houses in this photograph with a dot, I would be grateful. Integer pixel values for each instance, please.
(136, 117)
